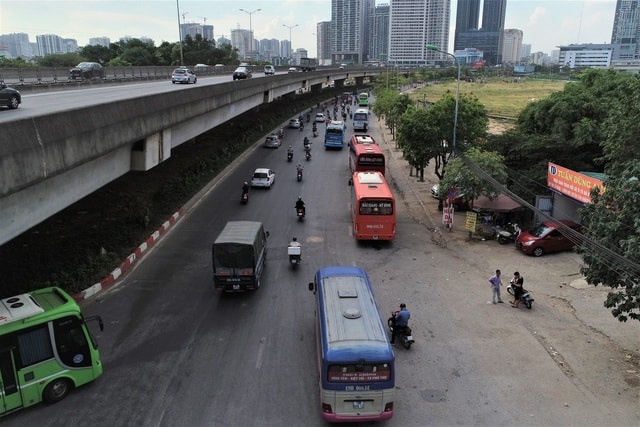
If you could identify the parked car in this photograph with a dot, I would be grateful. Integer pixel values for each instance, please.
(546, 238)
(9, 97)
(457, 199)
(242, 73)
(320, 118)
(292, 70)
(294, 124)
(263, 177)
(272, 141)
(86, 70)
(269, 70)
(183, 75)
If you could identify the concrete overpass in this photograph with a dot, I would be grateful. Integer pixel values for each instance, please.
(50, 161)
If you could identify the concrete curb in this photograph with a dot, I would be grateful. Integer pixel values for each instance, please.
(130, 260)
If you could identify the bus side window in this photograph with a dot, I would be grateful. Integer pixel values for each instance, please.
(34, 346)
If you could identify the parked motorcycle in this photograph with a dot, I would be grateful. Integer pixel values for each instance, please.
(525, 297)
(510, 234)
(405, 337)
(295, 254)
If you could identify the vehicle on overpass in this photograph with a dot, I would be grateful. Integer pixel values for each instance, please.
(9, 97)
(308, 64)
(86, 70)
(183, 75)
(242, 73)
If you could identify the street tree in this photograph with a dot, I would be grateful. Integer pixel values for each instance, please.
(461, 174)
(612, 220)
(471, 129)
(416, 139)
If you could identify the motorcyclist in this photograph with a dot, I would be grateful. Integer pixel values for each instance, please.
(299, 202)
(245, 188)
(290, 151)
(299, 168)
(294, 242)
(308, 117)
(305, 141)
(401, 321)
(314, 127)
(517, 283)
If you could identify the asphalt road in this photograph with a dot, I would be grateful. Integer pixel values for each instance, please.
(176, 353)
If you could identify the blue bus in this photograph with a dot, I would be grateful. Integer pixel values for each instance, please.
(334, 135)
(355, 359)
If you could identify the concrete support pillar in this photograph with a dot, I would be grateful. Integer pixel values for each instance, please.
(152, 151)
(359, 81)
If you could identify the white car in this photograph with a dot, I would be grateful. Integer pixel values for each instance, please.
(320, 118)
(263, 177)
(292, 70)
(269, 70)
(294, 124)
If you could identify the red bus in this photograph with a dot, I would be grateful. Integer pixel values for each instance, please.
(361, 139)
(373, 207)
(366, 157)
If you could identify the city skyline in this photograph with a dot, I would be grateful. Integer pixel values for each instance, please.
(545, 24)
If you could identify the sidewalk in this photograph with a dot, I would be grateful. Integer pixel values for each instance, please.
(586, 301)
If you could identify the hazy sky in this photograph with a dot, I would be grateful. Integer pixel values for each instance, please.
(545, 24)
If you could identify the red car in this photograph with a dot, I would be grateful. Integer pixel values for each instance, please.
(546, 238)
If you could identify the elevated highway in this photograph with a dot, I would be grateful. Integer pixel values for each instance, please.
(61, 146)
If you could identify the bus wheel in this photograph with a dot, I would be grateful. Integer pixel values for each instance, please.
(56, 390)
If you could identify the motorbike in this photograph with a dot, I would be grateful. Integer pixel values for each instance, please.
(300, 212)
(525, 297)
(299, 175)
(289, 156)
(510, 234)
(244, 199)
(307, 155)
(295, 255)
(405, 337)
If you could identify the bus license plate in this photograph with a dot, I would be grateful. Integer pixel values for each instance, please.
(236, 286)
(358, 404)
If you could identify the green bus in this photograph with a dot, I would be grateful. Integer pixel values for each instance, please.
(363, 100)
(46, 349)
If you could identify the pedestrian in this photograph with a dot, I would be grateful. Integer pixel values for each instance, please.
(495, 282)
(517, 282)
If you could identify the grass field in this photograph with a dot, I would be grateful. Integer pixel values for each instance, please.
(501, 97)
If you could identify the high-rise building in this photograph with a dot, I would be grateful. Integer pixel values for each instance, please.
(414, 24)
(349, 29)
(379, 36)
(285, 49)
(626, 28)
(99, 41)
(49, 44)
(323, 39)
(17, 45)
(525, 51)
(241, 40)
(207, 32)
(512, 46)
(489, 37)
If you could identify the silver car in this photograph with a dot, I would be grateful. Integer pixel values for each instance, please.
(183, 75)
(263, 177)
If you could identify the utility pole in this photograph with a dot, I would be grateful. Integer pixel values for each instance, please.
(250, 28)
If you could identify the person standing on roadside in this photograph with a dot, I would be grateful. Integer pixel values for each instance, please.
(495, 282)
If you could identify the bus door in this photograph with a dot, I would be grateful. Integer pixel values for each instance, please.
(10, 397)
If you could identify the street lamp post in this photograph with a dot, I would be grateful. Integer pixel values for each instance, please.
(250, 28)
(180, 34)
(290, 42)
(455, 114)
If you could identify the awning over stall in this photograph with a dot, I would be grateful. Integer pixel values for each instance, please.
(502, 203)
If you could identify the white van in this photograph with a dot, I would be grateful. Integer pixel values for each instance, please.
(269, 70)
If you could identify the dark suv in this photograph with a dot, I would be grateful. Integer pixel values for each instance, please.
(86, 70)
